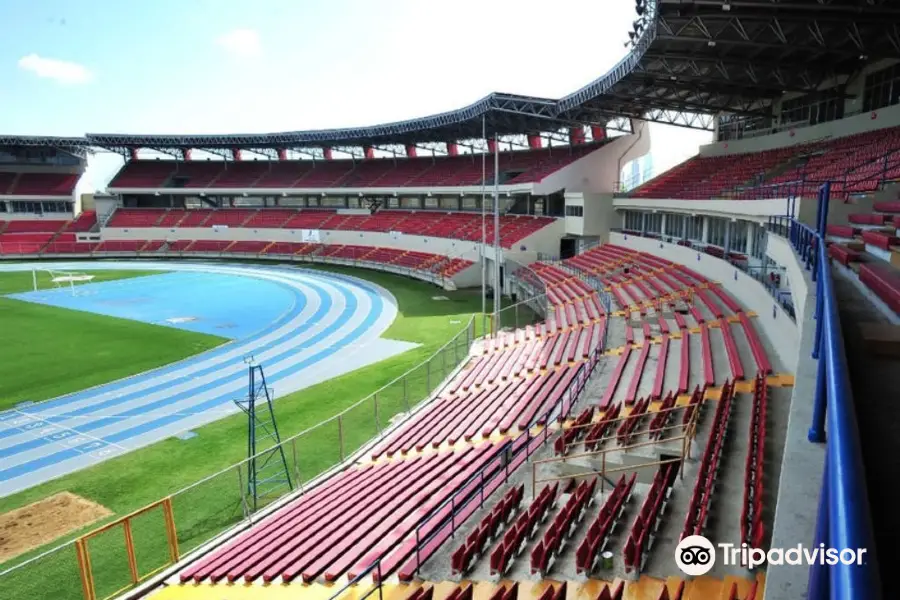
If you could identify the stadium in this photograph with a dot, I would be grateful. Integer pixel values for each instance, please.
(465, 356)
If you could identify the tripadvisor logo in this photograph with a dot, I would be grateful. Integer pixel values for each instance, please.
(695, 555)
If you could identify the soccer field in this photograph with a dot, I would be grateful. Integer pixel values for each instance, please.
(427, 316)
(49, 351)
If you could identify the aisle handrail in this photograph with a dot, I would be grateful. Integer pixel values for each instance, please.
(844, 519)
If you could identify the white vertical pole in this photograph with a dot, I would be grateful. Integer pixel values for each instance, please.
(34, 278)
(483, 224)
(496, 233)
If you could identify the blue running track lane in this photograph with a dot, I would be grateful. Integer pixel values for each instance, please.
(303, 326)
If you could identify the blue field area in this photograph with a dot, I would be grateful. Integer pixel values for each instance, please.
(228, 306)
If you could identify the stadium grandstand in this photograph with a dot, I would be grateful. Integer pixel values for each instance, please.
(716, 349)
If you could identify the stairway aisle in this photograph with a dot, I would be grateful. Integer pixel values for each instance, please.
(876, 389)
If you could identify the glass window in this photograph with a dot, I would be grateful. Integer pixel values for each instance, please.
(574, 210)
(654, 223)
(715, 232)
(674, 225)
(738, 236)
(695, 229)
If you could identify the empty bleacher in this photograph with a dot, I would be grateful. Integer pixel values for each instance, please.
(518, 167)
(462, 226)
(853, 164)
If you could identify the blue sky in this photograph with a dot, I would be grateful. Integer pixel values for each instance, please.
(218, 66)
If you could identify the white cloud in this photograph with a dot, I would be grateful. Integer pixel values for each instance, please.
(241, 42)
(59, 70)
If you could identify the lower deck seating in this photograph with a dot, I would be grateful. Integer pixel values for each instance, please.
(646, 524)
(752, 511)
(699, 504)
(524, 528)
(602, 527)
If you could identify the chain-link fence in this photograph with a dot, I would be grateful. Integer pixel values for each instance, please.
(127, 551)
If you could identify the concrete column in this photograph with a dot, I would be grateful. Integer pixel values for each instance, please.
(705, 237)
(684, 226)
(643, 222)
(662, 224)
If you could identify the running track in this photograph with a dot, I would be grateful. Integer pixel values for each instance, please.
(333, 326)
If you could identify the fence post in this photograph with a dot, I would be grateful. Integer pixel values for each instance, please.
(84, 569)
(375, 402)
(428, 376)
(129, 551)
(340, 421)
(244, 506)
(406, 392)
(296, 464)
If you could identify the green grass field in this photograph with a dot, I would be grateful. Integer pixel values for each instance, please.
(126, 483)
(49, 351)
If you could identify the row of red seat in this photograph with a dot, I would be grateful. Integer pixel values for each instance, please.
(661, 360)
(522, 530)
(709, 374)
(573, 433)
(880, 239)
(31, 183)
(752, 511)
(646, 524)
(432, 223)
(855, 163)
(734, 358)
(884, 280)
(868, 219)
(843, 254)
(557, 535)
(662, 416)
(330, 530)
(597, 433)
(602, 526)
(631, 391)
(615, 379)
(490, 528)
(479, 411)
(763, 364)
(698, 506)
(626, 432)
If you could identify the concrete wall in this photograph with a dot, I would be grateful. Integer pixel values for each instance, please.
(802, 462)
(772, 320)
(35, 217)
(599, 214)
(883, 117)
(599, 171)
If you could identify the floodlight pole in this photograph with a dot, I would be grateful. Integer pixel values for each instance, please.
(496, 234)
(483, 225)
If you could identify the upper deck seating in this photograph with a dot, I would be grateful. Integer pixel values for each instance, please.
(44, 184)
(515, 167)
(854, 163)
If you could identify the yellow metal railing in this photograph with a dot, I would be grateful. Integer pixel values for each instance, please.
(82, 548)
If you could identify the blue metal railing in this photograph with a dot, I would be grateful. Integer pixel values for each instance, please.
(843, 520)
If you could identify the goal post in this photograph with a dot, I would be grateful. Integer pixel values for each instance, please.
(46, 279)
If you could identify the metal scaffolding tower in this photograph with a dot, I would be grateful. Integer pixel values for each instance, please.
(267, 468)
